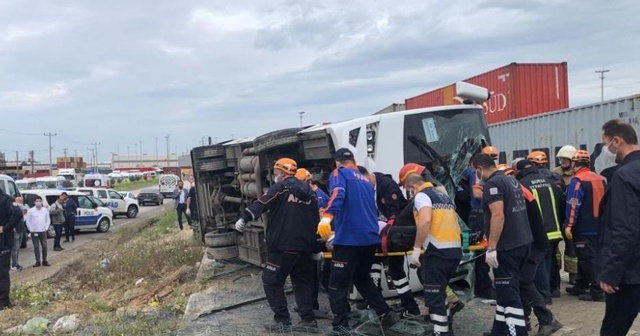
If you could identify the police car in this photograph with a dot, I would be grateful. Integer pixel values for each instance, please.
(89, 215)
(116, 202)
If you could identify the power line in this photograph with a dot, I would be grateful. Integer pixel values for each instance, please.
(17, 133)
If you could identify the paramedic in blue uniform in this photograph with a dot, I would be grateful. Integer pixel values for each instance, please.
(352, 211)
(509, 242)
(291, 240)
(390, 203)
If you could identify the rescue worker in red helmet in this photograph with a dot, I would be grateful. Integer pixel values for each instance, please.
(584, 195)
(291, 242)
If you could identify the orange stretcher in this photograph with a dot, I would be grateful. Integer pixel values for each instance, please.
(475, 247)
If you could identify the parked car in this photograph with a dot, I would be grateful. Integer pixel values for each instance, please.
(127, 194)
(115, 201)
(150, 196)
(100, 203)
(89, 215)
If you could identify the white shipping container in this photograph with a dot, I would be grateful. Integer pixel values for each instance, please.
(578, 126)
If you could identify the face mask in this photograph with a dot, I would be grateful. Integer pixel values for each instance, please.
(38, 204)
(276, 178)
(611, 154)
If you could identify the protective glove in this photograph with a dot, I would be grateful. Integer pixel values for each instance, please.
(491, 257)
(324, 228)
(317, 256)
(568, 233)
(415, 257)
(188, 212)
(240, 224)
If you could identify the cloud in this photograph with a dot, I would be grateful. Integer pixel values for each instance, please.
(147, 68)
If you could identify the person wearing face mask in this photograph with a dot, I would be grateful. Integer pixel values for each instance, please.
(509, 242)
(439, 234)
(565, 170)
(584, 195)
(180, 197)
(291, 243)
(38, 222)
(619, 243)
(352, 214)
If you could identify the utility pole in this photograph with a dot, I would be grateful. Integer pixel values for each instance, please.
(156, 160)
(50, 135)
(17, 165)
(31, 155)
(168, 144)
(301, 113)
(93, 156)
(95, 153)
(140, 151)
(602, 77)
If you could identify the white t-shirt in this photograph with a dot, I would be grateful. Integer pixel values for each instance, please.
(421, 200)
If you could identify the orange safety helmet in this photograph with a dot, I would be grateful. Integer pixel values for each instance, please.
(491, 151)
(581, 156)
(303, 175)
(538, 157)
(509, 172)
(408, 169)
(288, 166)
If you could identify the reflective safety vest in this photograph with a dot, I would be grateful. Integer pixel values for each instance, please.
(445, 231)
(545, 192)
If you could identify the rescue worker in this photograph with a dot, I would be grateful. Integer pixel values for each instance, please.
(548, 198)
(619, 237)
(539, 158)
(306, 177)
(10, 217)
(389, 198)
(581, 224)
(531, 298)
(352, 210)
(484, 286)
(565, 170)
(438, 234)
(291, 240)
(509, 242)
(406, 217)
(390, 201)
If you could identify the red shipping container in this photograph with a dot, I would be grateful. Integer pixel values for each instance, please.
(517, 90)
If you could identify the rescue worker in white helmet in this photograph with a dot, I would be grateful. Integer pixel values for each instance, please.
(565, 170)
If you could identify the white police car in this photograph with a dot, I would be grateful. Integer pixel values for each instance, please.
(89, 215)
(114, 200)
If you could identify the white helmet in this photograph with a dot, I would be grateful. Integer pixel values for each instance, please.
(566, 152)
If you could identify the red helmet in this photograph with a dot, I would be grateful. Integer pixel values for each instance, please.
(538, 157)
(492, 151)
(408, 169)
(288, 166)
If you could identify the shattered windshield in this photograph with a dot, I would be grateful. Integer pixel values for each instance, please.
(445, 141)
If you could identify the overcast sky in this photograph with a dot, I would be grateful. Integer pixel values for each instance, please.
(120, 72)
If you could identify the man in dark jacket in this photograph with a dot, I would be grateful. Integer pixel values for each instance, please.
(620, 231)
(10, 216)
(291, 240)
(70, 209)
(549, 196)
(389, 198)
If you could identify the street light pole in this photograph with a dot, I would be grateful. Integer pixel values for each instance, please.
(301, 113)
(602, 72)
(50, 135)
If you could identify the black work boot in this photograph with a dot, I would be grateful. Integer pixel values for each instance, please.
(576, 290)
(548, 329)
(306, 327)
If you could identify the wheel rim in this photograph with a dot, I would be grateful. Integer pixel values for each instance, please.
(104, 224)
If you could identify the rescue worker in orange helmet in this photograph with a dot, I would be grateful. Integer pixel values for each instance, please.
(291, 242)
(491, 151)
(584, 195)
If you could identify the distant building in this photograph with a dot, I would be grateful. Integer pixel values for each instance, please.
(392, 108)
(145, 160)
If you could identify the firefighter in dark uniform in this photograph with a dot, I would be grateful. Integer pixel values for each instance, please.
(549, 198)
(10, 216)
(509, 242)
(352, 214)
(390, 203)
(291, 241)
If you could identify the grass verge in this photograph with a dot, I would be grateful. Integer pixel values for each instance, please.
(151, 272)
(134, 185)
